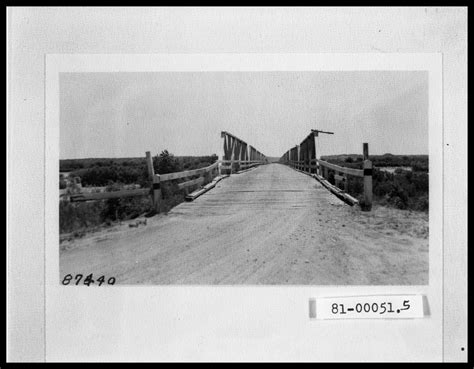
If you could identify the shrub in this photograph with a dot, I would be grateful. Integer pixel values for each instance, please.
(355, 186)
(331, 179)
(421, 181)
(422, 203)
(125, 208)
(75, 216)
(398, 202)
(84, 215)
(420, 166)
(62, 182)
(382, 188)
(166, 163)
(402, 189)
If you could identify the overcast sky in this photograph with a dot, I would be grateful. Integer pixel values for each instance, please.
(126, 114)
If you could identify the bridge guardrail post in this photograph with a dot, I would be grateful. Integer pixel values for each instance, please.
(149, 163)
(208, 176)
(156, 192)
(367, 206)
(156, 185)
(337, 179)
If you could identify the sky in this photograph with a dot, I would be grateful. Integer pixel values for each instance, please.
(107, 115)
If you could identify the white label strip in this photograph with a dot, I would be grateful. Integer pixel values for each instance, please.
(369, 307)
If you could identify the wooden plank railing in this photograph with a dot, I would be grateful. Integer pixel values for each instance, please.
(206, 174)
(239, 155)
(320, 168)
(241, 164)
(108, 195)
(188, 173)
(192, 182)
(343, 171)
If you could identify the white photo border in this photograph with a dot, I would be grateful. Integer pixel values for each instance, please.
(235, 323)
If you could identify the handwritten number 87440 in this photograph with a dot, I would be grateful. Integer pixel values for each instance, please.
(87, 281)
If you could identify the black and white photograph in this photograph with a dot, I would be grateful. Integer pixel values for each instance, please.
(237, 184)
(195, 178)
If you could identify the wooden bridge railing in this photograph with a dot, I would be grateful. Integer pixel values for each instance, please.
(239, 155)
(303, 158)
(206, 174)
(78, 197)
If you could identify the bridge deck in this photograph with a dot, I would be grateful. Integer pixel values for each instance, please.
(270, 225)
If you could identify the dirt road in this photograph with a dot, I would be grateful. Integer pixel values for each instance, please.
(270, 225)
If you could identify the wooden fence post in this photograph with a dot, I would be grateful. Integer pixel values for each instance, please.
(208, 176)
(155, 178)
(365, 148)
(367, 179)
(149, 163)
(156, 192)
